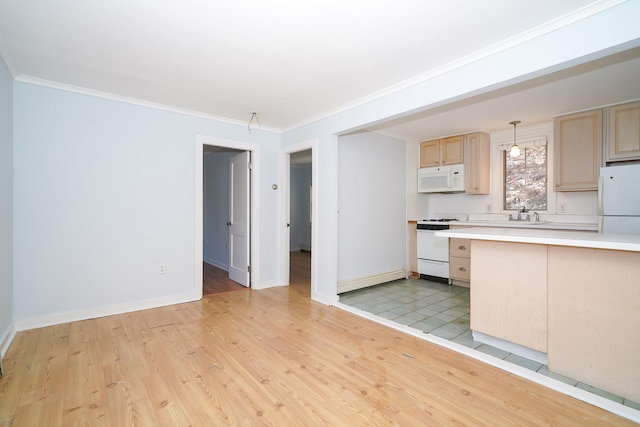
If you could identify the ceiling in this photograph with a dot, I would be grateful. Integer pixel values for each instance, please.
(292, 61)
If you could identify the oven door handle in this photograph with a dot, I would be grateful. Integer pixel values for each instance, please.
(430, 261)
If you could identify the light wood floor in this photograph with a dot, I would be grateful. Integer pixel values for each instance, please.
(268, 357)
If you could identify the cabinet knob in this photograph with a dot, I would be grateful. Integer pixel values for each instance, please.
(462, 248)
(462, 269)
(557, 185)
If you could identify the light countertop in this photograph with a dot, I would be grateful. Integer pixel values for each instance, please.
(584, 239)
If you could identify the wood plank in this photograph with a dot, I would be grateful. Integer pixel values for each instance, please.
(83, 331)
(509, 292)
(269, 357)
(594, 334)
(85, 393)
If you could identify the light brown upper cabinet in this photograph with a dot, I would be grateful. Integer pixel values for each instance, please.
(624, 132)
(477, 164)
(442, 152)
(577, 151)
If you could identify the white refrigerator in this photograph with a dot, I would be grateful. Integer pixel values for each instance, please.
(619, 199)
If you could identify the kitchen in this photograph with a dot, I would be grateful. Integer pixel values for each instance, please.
(574, 210)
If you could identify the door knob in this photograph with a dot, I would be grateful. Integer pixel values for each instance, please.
(228, 223)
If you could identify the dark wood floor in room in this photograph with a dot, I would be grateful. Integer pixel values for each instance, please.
(268, 357)
(216, 280)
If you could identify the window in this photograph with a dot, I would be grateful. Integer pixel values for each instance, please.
(525, 179)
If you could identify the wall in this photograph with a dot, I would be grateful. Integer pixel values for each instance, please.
(104, 193)
(372, 205)
(562, 206)
(300, 181)
(216, 209)
(6, 208)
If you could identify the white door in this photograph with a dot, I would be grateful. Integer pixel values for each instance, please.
(239, 219)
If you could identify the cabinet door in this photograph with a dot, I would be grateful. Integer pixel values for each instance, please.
(624, 132)
(459, 268)
(460, 247)
(509, 292)
(477, 163)
(430, 153)
(577, 154)
(452, 150)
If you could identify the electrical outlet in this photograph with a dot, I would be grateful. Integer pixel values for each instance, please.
(162, 269)
(563, 208)
(489, 208)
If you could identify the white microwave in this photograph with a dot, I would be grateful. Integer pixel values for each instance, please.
(442, 179)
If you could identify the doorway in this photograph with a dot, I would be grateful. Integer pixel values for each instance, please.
(299, 208)
(225, 219)
(213, 201)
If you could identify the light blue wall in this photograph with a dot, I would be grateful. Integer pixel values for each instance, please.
(104, 195)
(300, 235)
(372, 201)
(6, 203)
(216, 209)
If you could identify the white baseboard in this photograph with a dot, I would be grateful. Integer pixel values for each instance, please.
(73, 316)
(265, 285)
(363, 282)
(6, 339)
(514, 348)
(224, 267)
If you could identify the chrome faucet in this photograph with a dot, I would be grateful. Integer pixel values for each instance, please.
(537, 215)
(521, 210)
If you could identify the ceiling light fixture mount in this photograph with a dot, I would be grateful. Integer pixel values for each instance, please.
(515, 150)
(254, 116)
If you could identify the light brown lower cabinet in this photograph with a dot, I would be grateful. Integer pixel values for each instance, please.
(460, 261)
(594, 318)
(581, 306)
(509, 292)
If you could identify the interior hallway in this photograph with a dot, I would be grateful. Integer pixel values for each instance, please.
(216, 280)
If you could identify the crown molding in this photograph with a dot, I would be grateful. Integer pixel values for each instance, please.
(134, 101)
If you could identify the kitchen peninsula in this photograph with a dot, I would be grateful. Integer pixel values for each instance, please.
(571, 296)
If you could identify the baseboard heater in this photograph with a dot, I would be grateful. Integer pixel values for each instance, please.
(363, 282)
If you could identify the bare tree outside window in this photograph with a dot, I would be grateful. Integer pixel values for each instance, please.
(525, 179)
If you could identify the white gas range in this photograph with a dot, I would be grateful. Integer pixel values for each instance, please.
(433, 251)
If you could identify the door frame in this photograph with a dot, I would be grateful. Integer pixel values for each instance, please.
(254, 228)
(286, 209)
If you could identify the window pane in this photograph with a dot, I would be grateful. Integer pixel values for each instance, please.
(525, 183)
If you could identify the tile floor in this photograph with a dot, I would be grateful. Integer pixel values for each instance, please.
(443, 310)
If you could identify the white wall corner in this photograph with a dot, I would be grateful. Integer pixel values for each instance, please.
(6, 339)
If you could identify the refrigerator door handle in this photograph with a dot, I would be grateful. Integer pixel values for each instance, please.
(600, 194)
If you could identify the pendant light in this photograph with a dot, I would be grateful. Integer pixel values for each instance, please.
(515, 150)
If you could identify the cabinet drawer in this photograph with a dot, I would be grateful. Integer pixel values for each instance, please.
(460, 268)
(460, 247)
